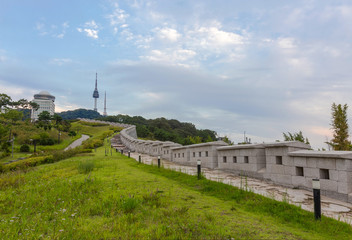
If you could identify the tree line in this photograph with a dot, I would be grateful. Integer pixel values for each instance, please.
(163, 129)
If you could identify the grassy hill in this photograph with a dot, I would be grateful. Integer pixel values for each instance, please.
(93, 196)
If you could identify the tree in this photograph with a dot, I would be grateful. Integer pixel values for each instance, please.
(5, 101)
(295, 137)
(13, 115)
(340, 127)
(227, 140)
(44, 120)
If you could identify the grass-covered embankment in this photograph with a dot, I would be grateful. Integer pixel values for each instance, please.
(113, 197)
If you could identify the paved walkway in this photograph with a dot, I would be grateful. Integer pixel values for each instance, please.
(78, 142)
(330, 207)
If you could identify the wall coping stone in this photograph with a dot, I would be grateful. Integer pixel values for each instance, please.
(288, 144)
(216, 143)
(241, 146)
(322, 154)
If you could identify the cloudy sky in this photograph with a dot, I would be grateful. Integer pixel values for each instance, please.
(263, 67)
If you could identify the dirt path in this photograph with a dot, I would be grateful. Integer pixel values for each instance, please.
(78, 142)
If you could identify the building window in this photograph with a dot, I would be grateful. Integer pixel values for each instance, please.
(206, 153)
(224, 159)
(178, 155)
(194, 154)
(234, 159)
(183, 155)
(175, 155)
(200, 154)
(164, 151)
(299, 171)
(167, 151)
(279, 160)
(246, 160)
(324, 174)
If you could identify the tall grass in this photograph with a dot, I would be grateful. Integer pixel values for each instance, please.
(85, 166)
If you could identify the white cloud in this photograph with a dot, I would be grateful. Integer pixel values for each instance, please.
(91, 29)
(214, 37)
(40, 27)
(91, 24)
(60, 61)
(118, 16)
(168, 34)
(286, 43)
(52, 30)
(171, 56)
(92, 33)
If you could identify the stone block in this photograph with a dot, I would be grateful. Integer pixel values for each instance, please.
(334, 175)
(271, 160)
(328, 185)
(341, 164)
(311, 162)
(287, 161)
(300, 161)
(278, 169)
(350, 198)
(326, 163)
(299, 181)
(282, 179)
(311, 172)
(345, 176)
(348, 165)
(344, 188)
(289, 170)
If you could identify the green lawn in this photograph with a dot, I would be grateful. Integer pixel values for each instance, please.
(121, 199)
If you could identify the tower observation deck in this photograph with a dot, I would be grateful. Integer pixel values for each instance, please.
(96, 93)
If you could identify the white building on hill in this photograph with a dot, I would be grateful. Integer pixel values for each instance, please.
(46, 103)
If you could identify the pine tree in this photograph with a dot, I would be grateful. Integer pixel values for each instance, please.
(340, 127)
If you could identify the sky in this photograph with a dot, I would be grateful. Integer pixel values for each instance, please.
(255, 67)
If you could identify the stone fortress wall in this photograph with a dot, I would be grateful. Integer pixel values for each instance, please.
(290, 164)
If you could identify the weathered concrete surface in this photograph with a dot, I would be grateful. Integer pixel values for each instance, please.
(330, 207)
(78, 142)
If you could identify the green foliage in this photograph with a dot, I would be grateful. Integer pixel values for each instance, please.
(80, 113)
(72, 133)
(165, 130)
(340, 127)
(13, 115)
(295, 137)
(44, 120)
(5, 101)
(85, 167)
(29, 162)
(24, 148)
(44, 139)
(227, 140)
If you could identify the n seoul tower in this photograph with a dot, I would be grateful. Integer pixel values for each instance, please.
(96, 93)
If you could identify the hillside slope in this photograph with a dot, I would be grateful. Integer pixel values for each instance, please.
(113, 197)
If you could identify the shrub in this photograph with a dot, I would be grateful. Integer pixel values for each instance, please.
(85, 167)
(24, 148)
(26, 163)
(72, 133)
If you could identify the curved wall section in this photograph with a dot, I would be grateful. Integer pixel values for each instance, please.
(291, 164)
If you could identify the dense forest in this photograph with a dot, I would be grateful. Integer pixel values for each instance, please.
(79, 113)
(165, 130)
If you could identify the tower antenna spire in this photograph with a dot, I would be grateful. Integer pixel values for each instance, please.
(105, 114)
(96, 93)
